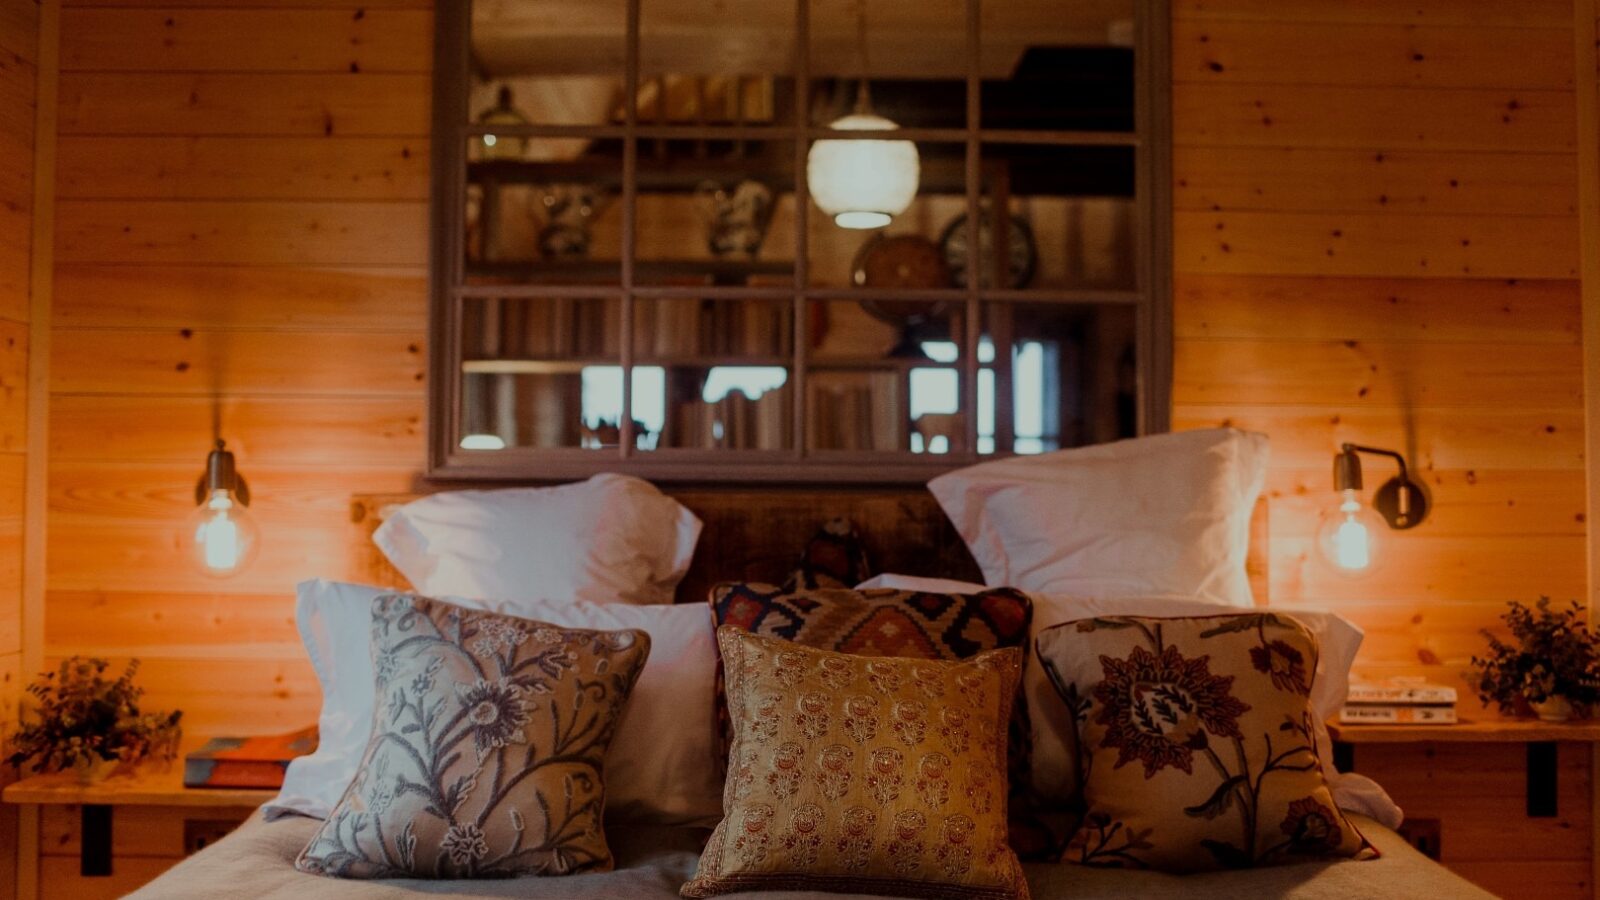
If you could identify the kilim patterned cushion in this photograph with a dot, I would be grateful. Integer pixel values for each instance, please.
(910, 624)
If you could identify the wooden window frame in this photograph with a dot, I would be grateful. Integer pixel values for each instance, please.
(1151, 297)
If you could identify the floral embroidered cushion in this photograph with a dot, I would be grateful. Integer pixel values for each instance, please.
(909, 624)
(1195, 740)
(863, 775)
(486, 748)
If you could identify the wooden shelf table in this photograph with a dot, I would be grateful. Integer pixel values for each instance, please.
(158, 787)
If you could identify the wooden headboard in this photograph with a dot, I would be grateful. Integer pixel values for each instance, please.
(758, 534)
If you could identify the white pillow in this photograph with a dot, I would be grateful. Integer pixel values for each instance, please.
(611, 539)
(660, 766)
(1168, 515)
(1338, 638)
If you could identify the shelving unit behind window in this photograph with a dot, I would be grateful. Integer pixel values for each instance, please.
(633, 269)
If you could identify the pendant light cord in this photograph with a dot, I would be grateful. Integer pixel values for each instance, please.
(863, 94)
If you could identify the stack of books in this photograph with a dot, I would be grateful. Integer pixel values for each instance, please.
(1399, 701)
(247, 762)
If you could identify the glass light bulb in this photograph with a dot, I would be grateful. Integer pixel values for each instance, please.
(222, 534)
(1350, 537)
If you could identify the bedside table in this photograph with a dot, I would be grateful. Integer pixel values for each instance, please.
(109, 838)
(1506, 803)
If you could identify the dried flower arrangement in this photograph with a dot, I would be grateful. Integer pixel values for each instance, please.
(89, 724)
(1552, 664)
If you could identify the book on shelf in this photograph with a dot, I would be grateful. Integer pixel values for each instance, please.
(247, 762)
(735, 422)
(1397, 714)
(680, 328)
(865, 412)
(1401, 691)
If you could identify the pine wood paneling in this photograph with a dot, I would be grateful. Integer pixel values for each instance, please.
(132, 295)
(1377, 373)
(1376, 118)
(241, 232)
(171, 624)
(1375, 244)
(254, 168)
(244, 40)
(349, 431)
(1321, 308)
(1448, 182)
(251, 4)
(244, 104)
(1308, 436)
(19, 30)
(239, 363)
(1488, 14)
(242, 249)
(19, 26)
(1444, 56)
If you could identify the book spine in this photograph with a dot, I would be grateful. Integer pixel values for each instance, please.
(1397, 715)
(1426, 694)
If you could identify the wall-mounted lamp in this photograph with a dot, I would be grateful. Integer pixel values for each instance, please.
(1350, 535)
(222, 534)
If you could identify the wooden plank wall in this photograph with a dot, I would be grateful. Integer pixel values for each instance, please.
(19, 47)
(19, 58)
(1376, 240)
(241, 246)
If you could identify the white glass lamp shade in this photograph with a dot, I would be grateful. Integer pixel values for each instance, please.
(1350, 536)
(222, 534)
(863, 184)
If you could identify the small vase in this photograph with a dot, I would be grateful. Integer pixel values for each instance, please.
(94, 772)
(1555, 709)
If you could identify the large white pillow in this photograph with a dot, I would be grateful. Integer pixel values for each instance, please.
(1338, 638)
(1168, 514)
(660, 766)
(611, 539)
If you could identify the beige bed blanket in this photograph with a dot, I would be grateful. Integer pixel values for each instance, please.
(257, 862)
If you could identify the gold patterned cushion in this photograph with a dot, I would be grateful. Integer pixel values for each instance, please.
(1196, 742)
(486, 748)
(868, 775)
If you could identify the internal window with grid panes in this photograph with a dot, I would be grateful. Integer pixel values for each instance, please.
(858, 240)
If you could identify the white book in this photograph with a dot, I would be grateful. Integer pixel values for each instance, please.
(1379, 714)
(1401, 693)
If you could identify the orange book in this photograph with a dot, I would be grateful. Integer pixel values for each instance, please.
(249, 762)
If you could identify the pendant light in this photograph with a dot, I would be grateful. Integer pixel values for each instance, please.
(863, 183)
(221, 533)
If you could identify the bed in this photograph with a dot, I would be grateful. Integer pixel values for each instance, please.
(753, 535)
(257, 861)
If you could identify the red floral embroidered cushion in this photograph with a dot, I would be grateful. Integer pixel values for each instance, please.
(1195, 740)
